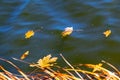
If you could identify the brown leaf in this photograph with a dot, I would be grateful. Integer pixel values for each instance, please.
(24, 55)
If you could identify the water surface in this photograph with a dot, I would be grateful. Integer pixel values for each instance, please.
(49, 18)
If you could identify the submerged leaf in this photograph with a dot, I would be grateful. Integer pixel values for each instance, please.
(47, 61)
(29, 34)
(24, 55)
(107, 33)
(67, 31)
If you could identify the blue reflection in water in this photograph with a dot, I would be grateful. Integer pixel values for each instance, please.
(18, 10)
(57, 15)
(98, 4)
(4, 29)
(51, 18)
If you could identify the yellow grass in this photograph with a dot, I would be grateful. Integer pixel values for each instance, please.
(47, 67)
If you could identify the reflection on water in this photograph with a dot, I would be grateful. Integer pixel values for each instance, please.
(50, 18)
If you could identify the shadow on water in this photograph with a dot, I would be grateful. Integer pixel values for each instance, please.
(86, 44)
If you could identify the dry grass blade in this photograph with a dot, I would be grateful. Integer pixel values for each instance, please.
(18, 69)
(4, 77)
(71, 67)
(62, 76)
(103, 71)
(112, 67)
(68, 72)
(20, 60)
(97, 72)
(8, 74)
(86, 72)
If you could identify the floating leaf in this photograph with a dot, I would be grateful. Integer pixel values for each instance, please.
(107, 33)
(24, 55)
(67, 31)
(29, 34)
(47, 61)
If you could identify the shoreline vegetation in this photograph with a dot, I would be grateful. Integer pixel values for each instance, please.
(49, 70)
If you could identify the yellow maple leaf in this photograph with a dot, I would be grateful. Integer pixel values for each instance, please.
(67, 31)
(24, 55)
(107, 33)
(96, 67)
(29, 34)
(47, 61)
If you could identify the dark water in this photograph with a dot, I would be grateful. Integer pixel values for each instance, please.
(50, 17)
